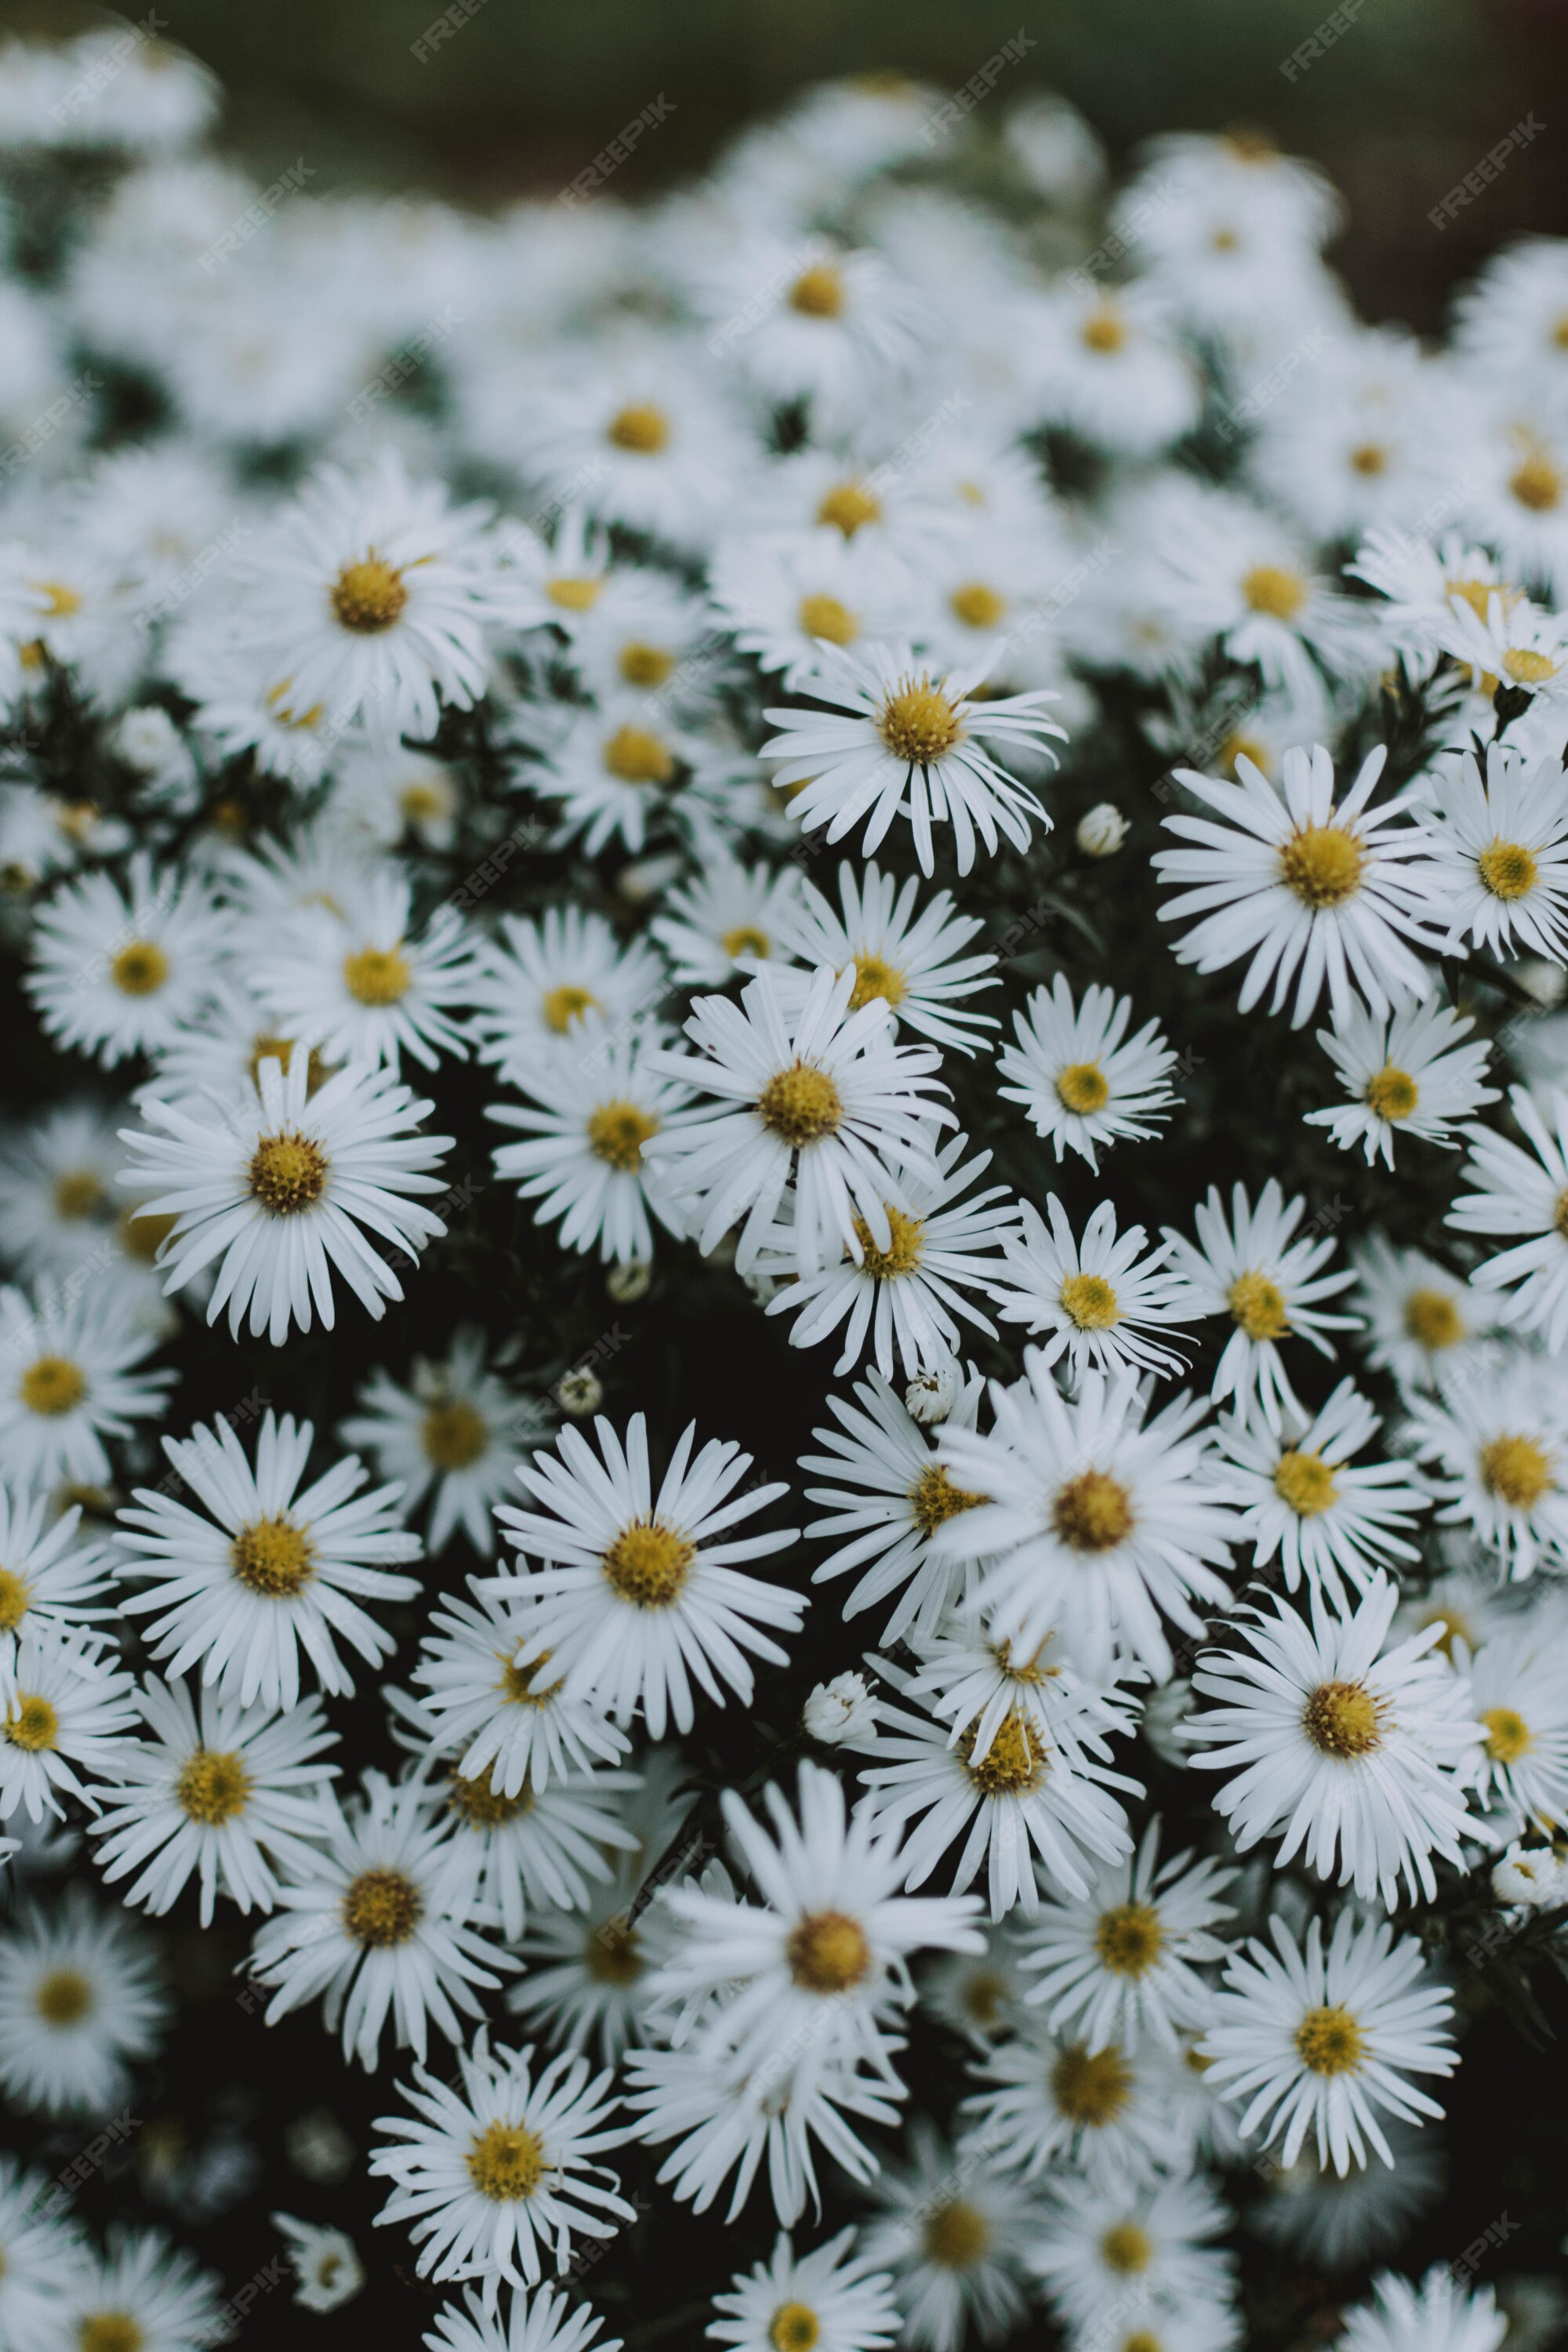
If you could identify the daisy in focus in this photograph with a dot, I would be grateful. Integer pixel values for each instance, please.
(1097, 1302)
(833, 2299)
(1307, 1503)
(909, 956)
(1500, 840)
(478, 1703)
(1121, 1961)
(71, 1379)
(534, 983)
(116, 975)
(1418, 1317)
(1270, 1280)
(1407, 1073)
(356, 982)
(1085, 1083)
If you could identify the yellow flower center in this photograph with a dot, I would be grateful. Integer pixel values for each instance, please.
(1391, 1094)
(212, 1787)
(109, 2331)
(956, 2236)
(616, 1133)
(32, 1724)
(1525, 667)
(1507, 869)
(902, 1255)
(454, 1435)
(515, 1681)
(377, 975)
(506, 2162)
(1083, 1086)
(824, 616)
(64, 1997)
(795, 2328)
(422, 803)
(982, 1996)
(1305, 1483)
(574, 595)
(480, 1807)
(1104, 330)
(140, 969)
(648, 1564)
(1370, 457)
(142, 1236)
(52, 1385)
(77, 1194)
(287, 1174)
(1257, 1307)
(1433, 1319)
(1537, 484)
(1322, 865)
(1508, 1735)
(819, 292)
(612, 1955)
(268, 1048)
(934, 1499)
(1270, 588)
(636, 755)
(919, 724)
(1329, 2041)
(644, 666)
(16, 1594)
(59, 601)
(745, 940)
(1092, 2090)
(1517, 1471)
(273, 1558)
(1127, 2248)
(1129, 1939)
(368, 597)
(848, 506)
(801, 1104)
(977, 606)
(382, 1908)
(1010, 1765)
(875, 977)
(1093, 1512)
(1089, 1300)
(1343, 1719)
(565, 1004)
(642, 428)
(827, 1953)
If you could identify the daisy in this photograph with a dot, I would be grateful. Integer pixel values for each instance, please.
(327, 2267)
(538, 981)
(278, 1191)
(1303, 887)
(1406, 1074)
(1418, 1316)
(895, 1496)
(354, 984)
(636, 1602)
(786, 597)
(1517, 1194)
(544, 2321)
(1315, 2043)
(542, 1848)
(1503, 639)
(46, 1577)
(1519, 1690)
(954, 2234)
(816, 1097)
(975, 1683)
(69, 1379)
(1085, 1083)
(220, 1793)
(454, 1433)
(1497, 1433)
(1108, 2259)
(904, 1300)
(640, 440)
(66, 1712)
(1439, 2315)
(831, 2300)
(724, 919)
(80, 2003)
(1247, 579)
(144, 2291)
(598, 1101)
(1321, 2219)
(586, 1972)
(369, 1922)
(912, 961)
(1095, 1524)
(614, 769)
(902, 741)
(1047, 2102)
(1305, 1501)
(1500, 838)
(55, 1187)
(268, 1571)
(833, 328)
(818, 1964)
(116, 973)
(1351, 1752)
(977, 1997)
(382, 797)
(477, 1703)
(1097, 1303)
(1270, 1283)
(1121, 1961)
(45, 2255)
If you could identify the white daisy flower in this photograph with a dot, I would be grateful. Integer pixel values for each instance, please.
(814, 1096)
(144, 2291)
(786, 598)
(1418, 578)
(328, 2272)
(904, 1300)
(476, 1703)
(1517, 1194)
(831, 2300)
(80, 2003)
(598, 1101)
(356, 985)
(544, 2321)
(1497, 1433)
(900, 741)
(1095, 1523)
(542, 1848)
(1248, 580)
(1324, 2219)
(1108, 2258)
(1048, 2102)
(280, 1188)
(821, 324)
(267, 1571)
(1085, 1083)
(896, 1496)
(1440, 2315)
(219, 1793)
(66, 1712)
(912, 961)
(69, 1379)
(954, 2232)
(1504, 638)
(1406, 1074)
(1305, 1501)
(379, 797)
(586, 1972)
(1269, 1281)
(1098, 1302)
(495, 2170)
(640, 440)
(371, 1922)
(1518, 1690)
(120, 972)
(1121, 1961)
(1306, 889)
(57, 1183)
(1354, 1754)
(614, 768)
(1418, 1316)
(636, 1599)
(46, 1577)
(975, 1683)
(725, 919)
(454, 1433)
(977, 1997)
(1500, 837)
(1315, 2043)
(43, 2250)
(537, 981)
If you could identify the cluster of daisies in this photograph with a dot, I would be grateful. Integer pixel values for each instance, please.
(976, 792)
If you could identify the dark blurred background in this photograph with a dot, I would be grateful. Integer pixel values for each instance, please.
(1405, 97)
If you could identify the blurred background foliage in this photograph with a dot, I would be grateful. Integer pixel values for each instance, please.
(1405, 99)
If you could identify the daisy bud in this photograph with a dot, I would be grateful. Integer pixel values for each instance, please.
(646, 878)
(840, 1709)
(579, 1392)
(327, 2267)
(1533, 1876)
(929, 1396)
(1546, 983)
(627, 1282)
(1102, 831)
(1167, 1710)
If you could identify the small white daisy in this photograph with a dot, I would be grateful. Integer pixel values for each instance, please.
(955, 2234)
(537, 980)
(80, 2003)
(455, 1433)
(540, 1849)
(476, 1703)
(145, 2292)
(1518, 1688)
(116, 973)
(542, 2321)
(725, 919)
(1406, 1074)
(1518, 1194)
(1418, 1317)
(1097, 1302)
(70, 1377)
(328, 2272)
(1305, 1501)
(1085, 1083)
(1319, 2218)
(1496, 1434)
(46, 1577)
(1113, 2262)
(55, 1187)
(66, 1711)
(913, 960)
(831, 2300)
(1441, 2315)
(1048, 2102)
(362, 982)
(1269, 1281)
(585, 1971)
(1500, 837)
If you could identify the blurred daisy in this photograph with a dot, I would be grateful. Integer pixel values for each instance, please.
(1121, 1960)
(542, 2321)
(537, 980)
(786, 598)
(910, 958)
(1048, 2103)
(1405, 1074)
(455, 1433)
(1440, 2315)
(80, 2003)
(1097, 1302)
(1518, 1194)
(70, 1377)
(1518, 1690)
(327, 2268)
(355, 984)
(1085, 1083)
(1108, 2258)
(954, 2234)
(1320, 2217)
(832, 2299)
(544, 1848)
(585, 1973)
(44, 2252)
(46, 1577)
(477, 1703)
(66, 1712)
(725, 919)
(115, 973)
(1418, 1317)
(56, 1179)
(1497, 1433)
(144, 2291)
(1500, 838)
(1269, 1281)
(1305, 1501)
